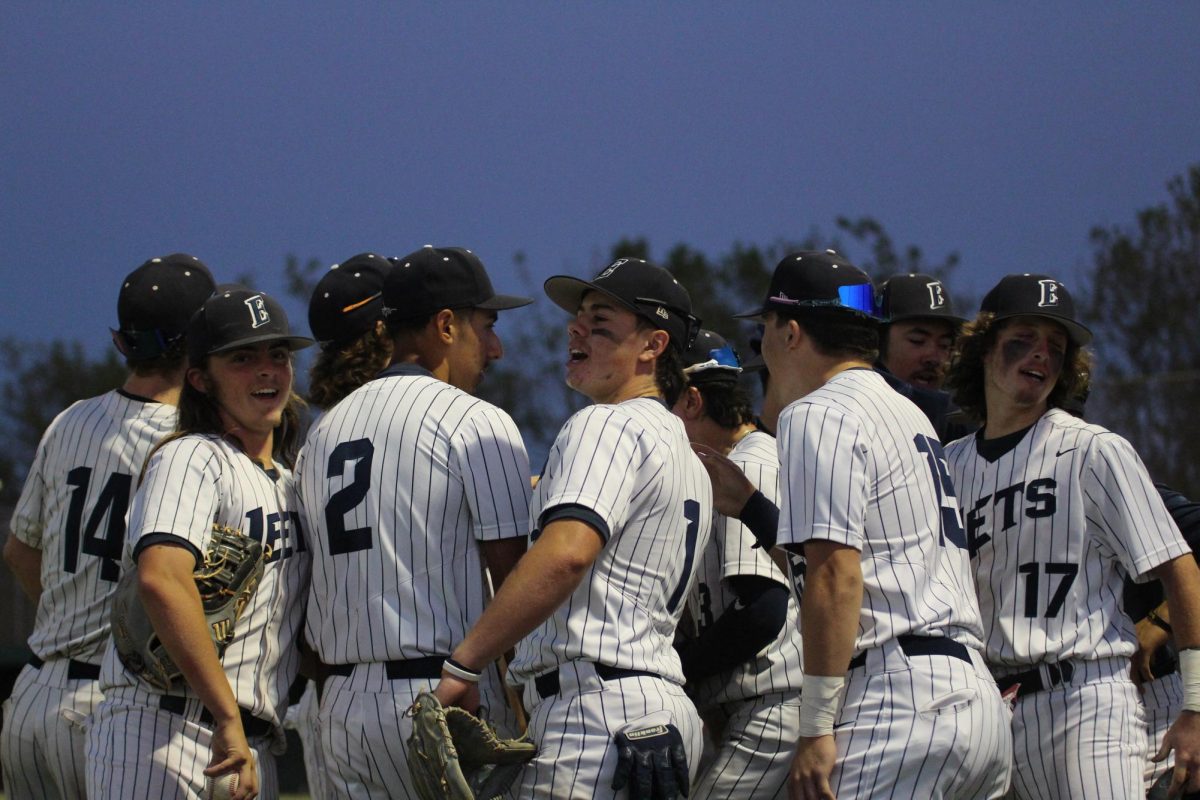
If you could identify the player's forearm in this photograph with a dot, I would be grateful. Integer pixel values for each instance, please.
(26, 564)
(168, 591)
(1181, 581)
(541, 582)
(832, 605)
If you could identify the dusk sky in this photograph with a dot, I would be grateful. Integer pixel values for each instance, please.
(242, 132)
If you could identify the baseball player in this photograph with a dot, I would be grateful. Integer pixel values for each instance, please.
(887, 593)
(1057, 511)
(620, 516)
(227, 464)
(345, 315)
(914, 347)
(69, 527)
(410, 485)
(744, 668)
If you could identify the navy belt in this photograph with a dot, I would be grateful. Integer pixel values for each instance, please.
(1030, 681)
(547, 685)
(922, 646)
(252, 725)
(410, 669)
(76, 670)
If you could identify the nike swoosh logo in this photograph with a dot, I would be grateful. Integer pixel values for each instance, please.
(1061, 453)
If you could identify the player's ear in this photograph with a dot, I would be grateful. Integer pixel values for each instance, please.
(693, 403)
(197, 379)
(656, 344)
(444, 325)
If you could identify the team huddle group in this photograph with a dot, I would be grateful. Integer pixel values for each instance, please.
(915, 571)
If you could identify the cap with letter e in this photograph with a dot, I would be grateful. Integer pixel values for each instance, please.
(639, 286)
(432, 278)
(1037, 296)
(817, 279)
(238, 317)
(916, 296)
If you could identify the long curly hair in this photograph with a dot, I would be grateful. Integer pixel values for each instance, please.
(338, 371)
(965, 378)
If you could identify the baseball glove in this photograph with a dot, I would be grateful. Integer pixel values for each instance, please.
(454, 755)
(226, 580)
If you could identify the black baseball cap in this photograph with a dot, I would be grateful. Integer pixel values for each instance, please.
(432, 278)
(817, 279)
(645, 289)
(156, 301)
(348, 299)
(1035, 295)
(235, 317)
(712, 357)
(916, 296)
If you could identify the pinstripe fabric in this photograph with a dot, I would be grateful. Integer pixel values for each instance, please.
(760, 698)
(446, 469)
(631, 464)
(432, 471)
(1054, 525)
(72, 508)
(860, 465)
(1092, 508)
(303, 719)
(140, 752)
(1162, 700)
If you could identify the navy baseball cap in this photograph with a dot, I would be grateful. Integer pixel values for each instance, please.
(711, 356)
(817, 279)
(432, 278)
(348, 299)
(916, 296)
(645, 289)
(1038, 296)
(236, 317)
(156, 301)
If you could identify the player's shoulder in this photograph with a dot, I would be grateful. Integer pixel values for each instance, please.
(756, 447)
(645, 420)
(1078, 433)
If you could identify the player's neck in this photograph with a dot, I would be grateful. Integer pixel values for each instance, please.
(637, 386)
(1006, 418)
(158, 388)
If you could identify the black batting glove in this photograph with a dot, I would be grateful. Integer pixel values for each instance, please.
(652, 762)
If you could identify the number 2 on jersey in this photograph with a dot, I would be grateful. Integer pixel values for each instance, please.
(341, 502)
(111, 505)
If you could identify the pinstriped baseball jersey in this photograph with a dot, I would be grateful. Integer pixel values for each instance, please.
(853, 472)
(1053, 524)
(399, 480)
(631, 464)
(730, 552)
(73, 509)
(191, 483)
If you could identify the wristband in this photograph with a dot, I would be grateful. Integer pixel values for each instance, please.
(1189, 674)
(820, 701)
(761, 516)
(461, 671)
(1158, 621)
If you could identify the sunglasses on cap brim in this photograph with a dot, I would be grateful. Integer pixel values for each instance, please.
(718, 358)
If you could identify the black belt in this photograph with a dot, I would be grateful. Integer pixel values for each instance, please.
(76, 670)
(922, 646)
(1030, 681)
(251, 725)
(547, 685)
(410, 669)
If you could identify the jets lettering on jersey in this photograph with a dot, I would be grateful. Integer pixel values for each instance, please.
(1039, 498)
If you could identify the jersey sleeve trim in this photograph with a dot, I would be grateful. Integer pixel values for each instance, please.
(576, 512)
(167, 539)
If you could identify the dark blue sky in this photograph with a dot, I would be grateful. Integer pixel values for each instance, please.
(244, 132)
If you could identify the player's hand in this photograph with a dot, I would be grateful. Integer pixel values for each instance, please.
(811, 768)
(454, 691)
(232, 753)
(731, 487)
(1150, 639)
(1184, 738)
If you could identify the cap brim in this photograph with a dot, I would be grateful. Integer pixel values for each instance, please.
(757, 313)
(1078, 333)
(953, 319)
(567, 292)
(293, 342)
(502, 302)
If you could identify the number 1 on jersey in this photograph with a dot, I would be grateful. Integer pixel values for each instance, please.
(111, 506)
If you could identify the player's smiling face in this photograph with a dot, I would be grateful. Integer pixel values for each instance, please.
(918, 351)
(606, 350)
(1025, 362)
(476, 345)
(252, 386)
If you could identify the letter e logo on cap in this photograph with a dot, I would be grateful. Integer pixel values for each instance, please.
(1049, 293)
(937, 295)
(258, 311)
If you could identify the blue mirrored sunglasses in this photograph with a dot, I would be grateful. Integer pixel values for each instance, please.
(860, 297)
(719, 358)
